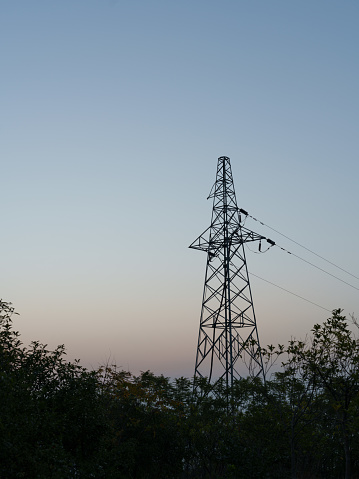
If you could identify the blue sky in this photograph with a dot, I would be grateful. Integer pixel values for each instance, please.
(113, 114)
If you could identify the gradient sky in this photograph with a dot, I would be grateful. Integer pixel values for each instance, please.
(112, 117)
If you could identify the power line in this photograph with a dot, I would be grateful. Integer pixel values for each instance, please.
(273, 243)
(317, 267)
(304, 247)
(290, 292)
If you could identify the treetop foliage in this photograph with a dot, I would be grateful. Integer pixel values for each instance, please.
(59, 420)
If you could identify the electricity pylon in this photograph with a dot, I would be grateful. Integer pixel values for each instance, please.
(228, 342)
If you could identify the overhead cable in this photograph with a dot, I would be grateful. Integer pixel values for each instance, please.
(296, 242)
(290, 292)
(317, 267)
(273, 243)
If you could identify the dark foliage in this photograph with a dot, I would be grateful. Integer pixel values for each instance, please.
(59, 421)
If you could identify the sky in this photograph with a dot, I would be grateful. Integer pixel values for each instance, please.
(112, 117)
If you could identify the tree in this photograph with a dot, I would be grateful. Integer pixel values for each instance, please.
(52, 421)
(146, 418)
(331, 363)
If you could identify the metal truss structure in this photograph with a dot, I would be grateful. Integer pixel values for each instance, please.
(228, 342)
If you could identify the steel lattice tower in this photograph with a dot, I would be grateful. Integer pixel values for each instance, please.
(228, 341)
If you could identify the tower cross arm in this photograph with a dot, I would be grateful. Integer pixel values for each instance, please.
(239, 235)
(249, 235)
(201, 242)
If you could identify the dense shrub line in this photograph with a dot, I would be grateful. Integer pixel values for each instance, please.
(59, 420)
